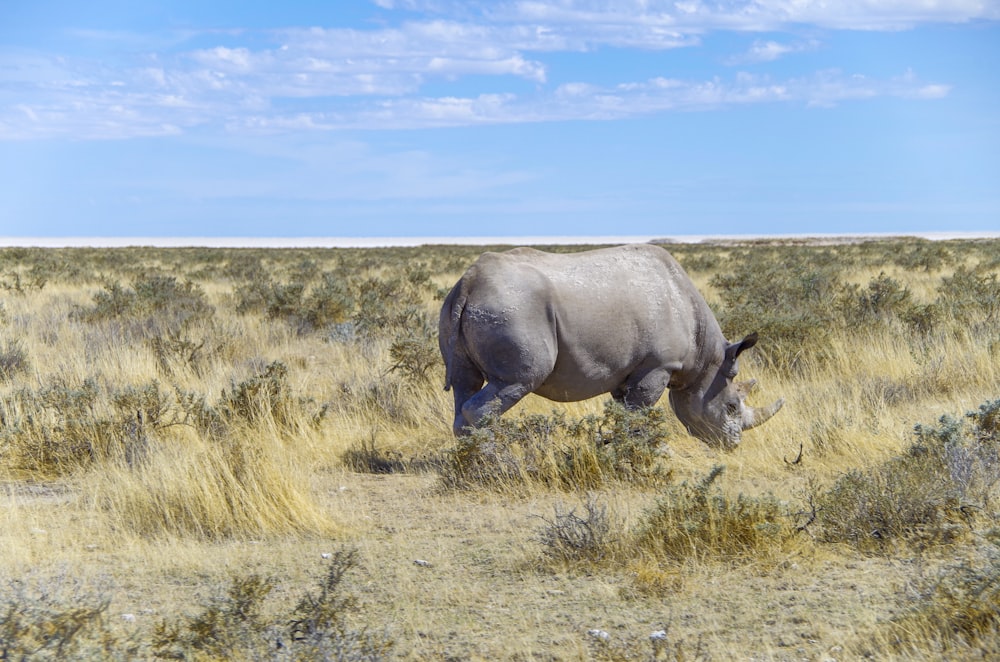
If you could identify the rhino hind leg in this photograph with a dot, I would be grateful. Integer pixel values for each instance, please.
(465, 383)
(493, 400)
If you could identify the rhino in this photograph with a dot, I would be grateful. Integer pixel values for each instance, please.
(625, 320)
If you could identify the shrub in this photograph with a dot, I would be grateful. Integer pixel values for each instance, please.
(569, 537)
(57, 619)
(971, 297)
(13, 360)
(386, 305)
(696, 521)
(267, 397)
(225, 626)
(510, 453)
(319, 627)
(929, 495)
(628, 445)
(883, 300)
(328, 303)
(955, 613)
(414, 354)
(238, 626)
(923, 255)
(789, 303)
(155, 306)
(366, 457)
(65, 426)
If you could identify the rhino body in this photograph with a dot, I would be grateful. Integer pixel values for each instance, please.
(626, 321)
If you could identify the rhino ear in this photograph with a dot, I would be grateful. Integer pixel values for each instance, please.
(737, 348)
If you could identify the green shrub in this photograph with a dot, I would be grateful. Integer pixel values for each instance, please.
(697, 521)
(788, 302)
(970, 297)
(414, 354)
(307, 309)
(156, 305)
(922, 255)
(882, 300)
(386, 306)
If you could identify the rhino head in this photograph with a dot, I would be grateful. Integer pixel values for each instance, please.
(714, 408)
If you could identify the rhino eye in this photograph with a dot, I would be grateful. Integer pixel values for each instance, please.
(733, 408)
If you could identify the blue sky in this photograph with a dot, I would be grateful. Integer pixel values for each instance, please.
(472, 118)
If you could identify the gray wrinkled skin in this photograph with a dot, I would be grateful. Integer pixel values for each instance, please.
(625, 321)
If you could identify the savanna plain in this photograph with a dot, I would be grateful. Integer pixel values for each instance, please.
(247, 454)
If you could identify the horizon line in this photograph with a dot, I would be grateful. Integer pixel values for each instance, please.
(412, 241)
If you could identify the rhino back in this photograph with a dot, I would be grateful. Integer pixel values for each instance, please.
(587, 319)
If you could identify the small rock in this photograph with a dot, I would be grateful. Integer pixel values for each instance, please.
(128, 618)
(599, 634)
(326, 555)
(422, 563)
(659, 635)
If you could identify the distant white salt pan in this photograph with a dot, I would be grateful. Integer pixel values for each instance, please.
(373, 242)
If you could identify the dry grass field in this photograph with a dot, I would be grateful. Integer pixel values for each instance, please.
(246, 454)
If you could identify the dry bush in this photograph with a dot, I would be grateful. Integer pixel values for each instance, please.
(367, 457)
(953, 614)
(589, 537)
(698, 522)
(59, 619)
(13, 360)
(514, 454)
(932, 494)
(64, 427)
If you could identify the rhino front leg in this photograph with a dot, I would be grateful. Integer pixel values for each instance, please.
(493, 400)
(642, 390)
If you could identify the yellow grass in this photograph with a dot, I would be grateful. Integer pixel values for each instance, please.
(161, 522)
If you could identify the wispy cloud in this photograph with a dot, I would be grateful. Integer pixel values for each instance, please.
(770, 50)
(322, 79)
(585, 101)
(746, 15)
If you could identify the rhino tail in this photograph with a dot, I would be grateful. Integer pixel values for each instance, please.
(457, 307)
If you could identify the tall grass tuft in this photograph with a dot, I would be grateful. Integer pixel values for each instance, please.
(242, 486)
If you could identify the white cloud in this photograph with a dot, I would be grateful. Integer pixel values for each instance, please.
(323, 78)
(751, 15)
(586, 101)
(770, 50)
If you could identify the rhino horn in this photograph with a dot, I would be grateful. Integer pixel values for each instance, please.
(752, 416)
